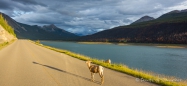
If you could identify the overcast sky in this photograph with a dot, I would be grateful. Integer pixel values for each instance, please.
(86, 16)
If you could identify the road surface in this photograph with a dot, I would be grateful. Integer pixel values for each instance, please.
(25, 64)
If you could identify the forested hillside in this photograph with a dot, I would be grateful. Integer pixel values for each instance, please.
(168, 28)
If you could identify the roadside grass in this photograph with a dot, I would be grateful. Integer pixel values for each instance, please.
(142, 76)
(6, 26)
(2, 45)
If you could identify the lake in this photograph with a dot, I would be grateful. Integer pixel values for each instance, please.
(160, 60)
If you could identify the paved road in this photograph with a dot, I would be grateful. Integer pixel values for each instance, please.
(25, 64)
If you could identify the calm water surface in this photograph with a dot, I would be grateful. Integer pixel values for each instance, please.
(167, 61)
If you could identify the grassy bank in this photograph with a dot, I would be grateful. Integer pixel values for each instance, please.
(6, 26)
(141, 75)
(2, 45)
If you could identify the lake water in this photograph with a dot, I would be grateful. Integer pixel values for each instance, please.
(167, 61)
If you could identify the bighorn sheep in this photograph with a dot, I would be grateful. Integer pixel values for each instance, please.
(108, 61)
(95, 69)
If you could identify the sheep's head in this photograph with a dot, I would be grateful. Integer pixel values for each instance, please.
(88, 62)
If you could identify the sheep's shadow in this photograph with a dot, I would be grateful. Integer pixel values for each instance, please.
(60, 70)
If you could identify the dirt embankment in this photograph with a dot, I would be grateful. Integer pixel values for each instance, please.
(5, 36)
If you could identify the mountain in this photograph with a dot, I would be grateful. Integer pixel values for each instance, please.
(168, 28)
(143, 19)
(58, 31)
(175, 14)
(34, 32)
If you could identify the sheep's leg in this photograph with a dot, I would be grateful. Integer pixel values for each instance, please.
(102, 77)
(92, 76)
(101, 74)
(102, 80)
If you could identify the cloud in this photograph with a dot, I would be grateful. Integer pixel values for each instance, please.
(86, 16)
(29, 2)
(5, 5)
(15, 8)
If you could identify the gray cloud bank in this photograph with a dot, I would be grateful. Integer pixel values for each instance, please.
(86, 16)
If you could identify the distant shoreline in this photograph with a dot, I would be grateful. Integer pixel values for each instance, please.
(125, 44)
(94, 42)
(170, 46)
(143, 44)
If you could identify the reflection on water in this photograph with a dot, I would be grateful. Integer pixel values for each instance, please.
(167, 61)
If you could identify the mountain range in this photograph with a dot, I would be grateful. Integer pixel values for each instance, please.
(35, 32)
(168, 28)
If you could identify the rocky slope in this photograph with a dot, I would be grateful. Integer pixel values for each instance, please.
(5, 36)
